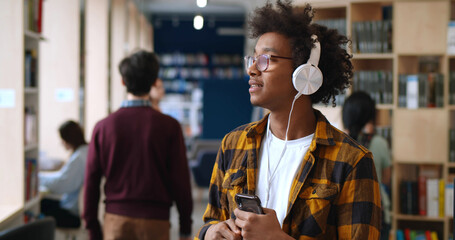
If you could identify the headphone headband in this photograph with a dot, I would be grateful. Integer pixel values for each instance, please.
(307, 78)
(315, 52)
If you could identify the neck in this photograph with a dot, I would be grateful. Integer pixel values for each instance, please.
(303, 120)
(156, 105)
(131, 96)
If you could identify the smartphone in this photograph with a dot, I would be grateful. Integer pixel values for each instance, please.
(249, 203)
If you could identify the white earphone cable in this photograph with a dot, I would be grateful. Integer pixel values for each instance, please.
(271, 176)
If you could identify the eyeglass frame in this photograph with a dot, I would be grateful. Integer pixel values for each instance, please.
(267, 56)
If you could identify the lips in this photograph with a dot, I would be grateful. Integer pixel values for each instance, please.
(255, 84)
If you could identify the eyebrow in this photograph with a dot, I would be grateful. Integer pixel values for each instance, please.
(267, 50)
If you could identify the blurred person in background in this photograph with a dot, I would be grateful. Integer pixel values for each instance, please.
(359, 119)
(142, 155)
(68, 180)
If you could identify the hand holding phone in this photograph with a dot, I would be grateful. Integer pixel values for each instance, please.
(249, 203)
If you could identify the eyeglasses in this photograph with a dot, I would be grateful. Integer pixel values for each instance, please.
(262, 61)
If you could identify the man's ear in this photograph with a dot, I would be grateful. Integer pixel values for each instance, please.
(123, 82)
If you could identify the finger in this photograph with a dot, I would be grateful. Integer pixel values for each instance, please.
(241, 214)
(269, 211)
(240, 223)
(233, 227)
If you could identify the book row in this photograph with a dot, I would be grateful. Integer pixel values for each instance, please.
(452, 87)
(30, 126)
(452, 145)
(424, 90)
(33, 12)
(434, 197)
(423, 192)
(30, 68)
(409, 234)
(31, 178)
(378, 83)
(200, 59)
(338, 24)
(201, 73)
(372, 36)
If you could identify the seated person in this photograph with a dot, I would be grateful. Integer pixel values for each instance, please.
(68, 180)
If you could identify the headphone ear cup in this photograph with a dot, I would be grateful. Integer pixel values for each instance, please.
(307, 79)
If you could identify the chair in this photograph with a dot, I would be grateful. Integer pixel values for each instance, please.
(41, 229)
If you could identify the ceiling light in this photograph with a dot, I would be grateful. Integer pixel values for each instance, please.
(201, 3)
(198, 22)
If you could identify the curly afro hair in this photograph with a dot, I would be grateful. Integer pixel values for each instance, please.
(295, 23)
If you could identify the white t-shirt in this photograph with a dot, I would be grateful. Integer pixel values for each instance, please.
(275, 174)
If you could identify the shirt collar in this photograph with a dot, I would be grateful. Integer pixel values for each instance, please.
(322, 135)
(135, 103)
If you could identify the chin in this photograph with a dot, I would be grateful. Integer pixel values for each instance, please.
(254, 101)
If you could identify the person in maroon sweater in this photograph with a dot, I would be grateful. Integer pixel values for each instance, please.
(141, 154)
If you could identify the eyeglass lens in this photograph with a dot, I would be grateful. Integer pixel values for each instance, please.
(262, 62)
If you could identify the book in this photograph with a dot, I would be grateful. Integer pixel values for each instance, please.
(422, 192)
(399, 234)
(451, 37)
(441, 197)
(432, 197)
(448, 201)
(434, 235)
(412, 91)
(39, 19)
(426, 171)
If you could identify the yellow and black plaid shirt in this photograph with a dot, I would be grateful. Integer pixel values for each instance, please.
(334, 195)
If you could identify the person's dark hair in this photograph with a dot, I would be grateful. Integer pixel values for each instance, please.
(139, 72)
(358, 109)
(72, 133)
(295, 24)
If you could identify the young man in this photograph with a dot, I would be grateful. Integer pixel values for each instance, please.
(313, 180)
(142, 155)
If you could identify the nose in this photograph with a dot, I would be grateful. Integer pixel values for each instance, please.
(253, 70)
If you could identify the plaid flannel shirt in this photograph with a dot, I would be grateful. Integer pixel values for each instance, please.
(334, 195)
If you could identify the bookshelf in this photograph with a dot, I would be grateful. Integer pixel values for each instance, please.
(19, 109)
(32, 37)
(414, 44)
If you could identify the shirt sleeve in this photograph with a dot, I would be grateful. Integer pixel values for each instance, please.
(92, 181)
(385, 150)
(216, 210)
(359, 204)
(68, 179)
(180, 181)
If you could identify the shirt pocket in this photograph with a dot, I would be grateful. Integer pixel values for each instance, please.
(320, 191)
(234, 179)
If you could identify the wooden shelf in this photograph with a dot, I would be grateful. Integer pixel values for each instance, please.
(8, 212)
(385, 106)
(33, 35)
(31, 147)
(31, 90)
(359, 56)
(418, 218)
(417, 162)
(32, 202)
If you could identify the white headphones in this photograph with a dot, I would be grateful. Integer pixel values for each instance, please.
(307, 78)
